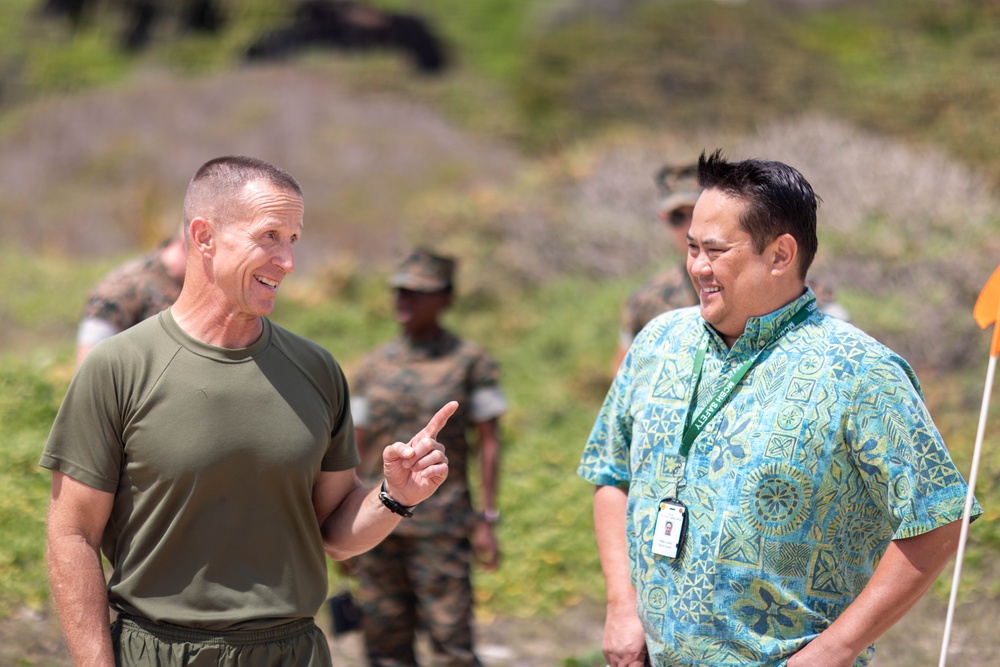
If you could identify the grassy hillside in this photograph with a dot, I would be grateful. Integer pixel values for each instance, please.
(552, 71)
(919, 69)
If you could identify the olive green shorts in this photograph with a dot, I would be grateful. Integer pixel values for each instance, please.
(141, 643)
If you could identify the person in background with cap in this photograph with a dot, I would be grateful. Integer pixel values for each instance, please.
(671, 289)
(679, 190)
(420, 574)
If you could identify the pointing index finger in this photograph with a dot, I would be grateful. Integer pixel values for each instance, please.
(438, 421)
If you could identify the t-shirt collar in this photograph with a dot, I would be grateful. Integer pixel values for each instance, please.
(223, 354)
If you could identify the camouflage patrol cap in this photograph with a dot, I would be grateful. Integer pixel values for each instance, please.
(423, 271)
(678, 186)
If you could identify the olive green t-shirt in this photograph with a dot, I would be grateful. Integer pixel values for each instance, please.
(212, 455)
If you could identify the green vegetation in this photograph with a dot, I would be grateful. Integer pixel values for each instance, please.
(919, 69)
(28, 403)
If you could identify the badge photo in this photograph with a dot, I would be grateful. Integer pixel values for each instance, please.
(670, 528)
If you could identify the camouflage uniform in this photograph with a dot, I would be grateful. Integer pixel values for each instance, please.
(420, 575)
(667, 291)
(678, 188)
(128, 295)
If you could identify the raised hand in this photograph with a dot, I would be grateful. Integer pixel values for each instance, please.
(414, 470)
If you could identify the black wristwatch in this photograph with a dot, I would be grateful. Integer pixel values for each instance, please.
(394, 505)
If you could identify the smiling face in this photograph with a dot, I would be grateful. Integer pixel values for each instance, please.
(253, 251)
(733, 282)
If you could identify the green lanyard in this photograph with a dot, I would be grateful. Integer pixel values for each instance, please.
(692, 429)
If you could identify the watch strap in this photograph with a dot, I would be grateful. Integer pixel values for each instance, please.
(394, 505)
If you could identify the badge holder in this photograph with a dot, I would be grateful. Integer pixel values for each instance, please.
(671, 527)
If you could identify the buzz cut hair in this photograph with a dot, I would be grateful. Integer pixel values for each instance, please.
(779, 201)
(217, 189)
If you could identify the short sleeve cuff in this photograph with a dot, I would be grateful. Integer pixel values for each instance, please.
(601, 479)
(625, 338)
(487, 403)
(949, 514)
(79, 474)
(359, 411)
(93, 330)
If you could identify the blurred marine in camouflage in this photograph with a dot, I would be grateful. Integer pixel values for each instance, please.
(131, 293)
(420, 575)
(671, 289)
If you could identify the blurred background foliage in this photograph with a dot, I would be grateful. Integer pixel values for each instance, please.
(531, 157)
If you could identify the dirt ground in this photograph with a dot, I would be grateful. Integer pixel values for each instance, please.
(32, 639)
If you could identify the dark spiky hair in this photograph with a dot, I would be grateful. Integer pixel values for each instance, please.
(779, 201)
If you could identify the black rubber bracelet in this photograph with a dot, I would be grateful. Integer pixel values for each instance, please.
(394, 505)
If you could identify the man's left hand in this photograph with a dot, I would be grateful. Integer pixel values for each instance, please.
(816, 653)
(414, 470)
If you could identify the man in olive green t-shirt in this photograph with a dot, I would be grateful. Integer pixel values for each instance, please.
(210, 454)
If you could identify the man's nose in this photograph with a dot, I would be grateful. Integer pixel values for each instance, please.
(284, 258)
(699, 265)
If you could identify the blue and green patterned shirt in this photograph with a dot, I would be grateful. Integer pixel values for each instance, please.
(823, 454)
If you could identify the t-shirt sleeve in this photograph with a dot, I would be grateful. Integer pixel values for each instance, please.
(905, 465)
(487, 400)
(86, 441)
(360, 406)
(360, 411)
(342, 452)
(93, 330)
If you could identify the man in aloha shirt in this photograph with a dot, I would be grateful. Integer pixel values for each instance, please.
(820, 499)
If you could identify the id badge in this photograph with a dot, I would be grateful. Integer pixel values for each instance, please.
(671, 526)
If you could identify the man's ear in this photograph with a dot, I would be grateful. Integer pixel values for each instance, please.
(202, 236)
(784, 251)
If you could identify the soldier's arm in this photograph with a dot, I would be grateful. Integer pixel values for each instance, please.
(489, 446)
(484, 538)
(77, 517)
(353, 519)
